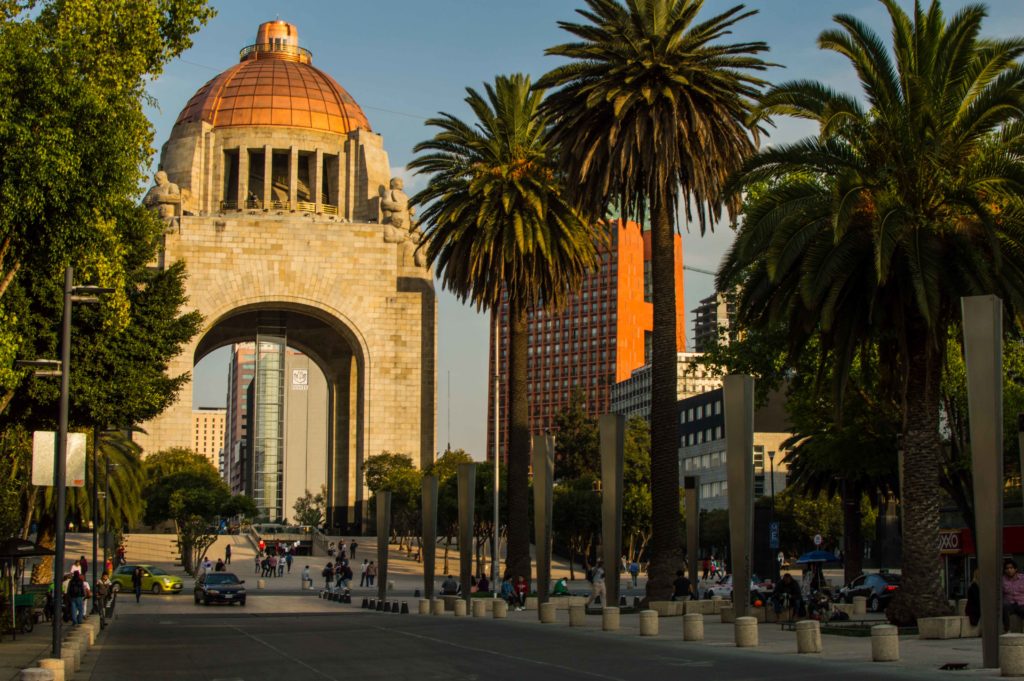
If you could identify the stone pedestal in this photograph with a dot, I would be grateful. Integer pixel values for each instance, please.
(745, 629)
(36, 674)
(577, 615)
(648, 622)
(610, 618)
(70, 658)
(547, 613)
(961, 607)
(860, 605)
(808, 636)
(1011, 654)
(500, 609)
(531, 602)
(938, 627)
(424, 608)
(54, 665)
(885, 643)
(728, 614)
(479, 607)
(693, 626)
(460, 608)
(437, 606)
(968, 630)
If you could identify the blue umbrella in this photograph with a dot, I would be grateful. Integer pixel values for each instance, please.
(817, 557)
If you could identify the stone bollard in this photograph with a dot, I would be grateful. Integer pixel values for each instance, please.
(87, 633)
(261, 584)
(75, 648)
(425, 606)
(693, 626)
(728, 614)
(366, 602)
(885, 643)
(36, 674)
(500, 609)
(745, 631)
(437, 606)
(1011, 654)
(610, 619)
(54, 665)
(547, 613)
(71, 659)
(808, 636)
(577, 615)
(860, 605)
(648, 622)
(479, 607)
(961, 607)
(405, 609)
(460, 608)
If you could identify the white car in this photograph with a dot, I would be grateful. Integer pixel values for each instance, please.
(723, 588)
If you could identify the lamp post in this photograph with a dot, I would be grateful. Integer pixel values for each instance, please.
(776, 568)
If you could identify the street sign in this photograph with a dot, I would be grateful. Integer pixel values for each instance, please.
(773, 534)
(43, 443)
(817, 540)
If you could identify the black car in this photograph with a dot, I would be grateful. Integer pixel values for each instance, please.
(878, 588)
(219, 587)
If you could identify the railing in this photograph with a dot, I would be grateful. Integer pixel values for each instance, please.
(298, 53)
(302, 206)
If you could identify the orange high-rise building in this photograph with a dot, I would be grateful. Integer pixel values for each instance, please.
(595, 341)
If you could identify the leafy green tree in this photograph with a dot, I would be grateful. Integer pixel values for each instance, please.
(576, 518)
(501, 234)
(650, 113)
(446, 468)
(309, 508)
(636, 488)
(577, 446)
(914, 203)
(379, 471)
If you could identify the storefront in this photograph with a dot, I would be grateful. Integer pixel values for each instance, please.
(958, 561)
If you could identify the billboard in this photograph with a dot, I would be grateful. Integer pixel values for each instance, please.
(43, 444)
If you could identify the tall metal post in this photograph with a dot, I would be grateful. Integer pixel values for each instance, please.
(738, 395)
(983, 352)
(543, 472)
(383, 535)
(612, 432)
(60, 454)
(1020, 454)
(467, 501)
(496, 550)
(691, 500)
(429, 533)
(94, 511)
(776, 568)
(106, 508)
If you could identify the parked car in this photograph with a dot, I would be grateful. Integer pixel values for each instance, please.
(723, 588)
(219, 587)
(878, 588)
(154, 579)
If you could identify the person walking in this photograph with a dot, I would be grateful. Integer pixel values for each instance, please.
(362, 572)
(220, 566)
(328, 574)
(371, 573)
(597, 585)
(227, 554)
(76, 597)
(288, 560)
(307, 580)
(137, 583)
(104, 588)
(634, 571)
(352, 549)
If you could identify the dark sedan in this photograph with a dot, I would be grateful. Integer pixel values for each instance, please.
(878, 588)
(219, 587)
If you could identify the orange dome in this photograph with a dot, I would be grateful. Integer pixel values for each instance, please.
(275, 84)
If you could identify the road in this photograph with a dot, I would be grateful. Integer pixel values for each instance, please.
(169, 638)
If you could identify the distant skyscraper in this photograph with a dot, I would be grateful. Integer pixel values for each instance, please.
(713, 315)
(209, 434)
(240, 372)
(632, 397)
(595, 341)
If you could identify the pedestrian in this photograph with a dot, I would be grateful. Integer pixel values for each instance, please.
(271, 566)
(597, 585)
(76, 568)
(207, 565)
(137, 583)
(707, 567)
(371, 573)
(634, 571)
(449, 587)
(522, 588)
(362, 573)
(262, 546)
(104, 587)
(328, 573)
(680, 587)
(281, 562)
(288, 559)
(227, 554)
(120, 555)
(77, 592)
(219, 567)
(343, 550)
(84, 565)
(109, 566)
(352, 549)
(307, 580)
(259, 563)
(1013, 593)
(508, 592)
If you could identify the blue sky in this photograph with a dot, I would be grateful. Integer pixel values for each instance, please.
(405, 60)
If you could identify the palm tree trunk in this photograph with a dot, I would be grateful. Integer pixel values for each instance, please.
(920, 592)
(666, 556)
(42, 572)
(518, 558)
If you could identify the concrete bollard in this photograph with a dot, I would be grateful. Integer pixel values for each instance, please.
(460, 608)
(54, 665)
(424, 606)
(1011, 654)
(500, 609)
(808, 636)
(885, 643)
(693, 626)
(36, 674)
(610, 619)
(648, 622)
(745, 631)
(71, 660)
(548, 613)
(577, 615)
(261, 584)
(75, 648)
(728, 614)
(479, 607)
(860, 605)
(437, 606)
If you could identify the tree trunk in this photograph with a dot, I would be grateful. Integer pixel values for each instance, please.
(666, 552)
(42, 572)
(921, 593)
(518, 558)
(853, 536)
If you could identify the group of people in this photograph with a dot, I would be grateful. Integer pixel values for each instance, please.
(344, 550)
(451, 587)
(340, 574)
(272, 563)
(77, 592)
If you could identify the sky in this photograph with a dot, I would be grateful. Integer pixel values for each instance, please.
(406, 60)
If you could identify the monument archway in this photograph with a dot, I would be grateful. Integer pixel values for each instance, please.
(278, 196)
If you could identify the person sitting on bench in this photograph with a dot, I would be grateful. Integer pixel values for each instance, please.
(787, 595)
(449, 587)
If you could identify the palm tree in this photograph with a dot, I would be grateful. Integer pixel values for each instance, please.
(504, 238)
(650, 113)
(872, 231)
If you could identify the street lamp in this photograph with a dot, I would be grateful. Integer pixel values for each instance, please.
(72, 294)
(777, 568)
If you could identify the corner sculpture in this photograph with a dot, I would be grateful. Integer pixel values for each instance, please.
(399, 227)
(164, 198)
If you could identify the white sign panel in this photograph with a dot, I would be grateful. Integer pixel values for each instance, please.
(300, 379)
(43, 443)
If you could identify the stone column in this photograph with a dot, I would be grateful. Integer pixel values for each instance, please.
(429, 506)
(543, 472)
(738, 395)
(383, 535)
(268, 176)
(983, 351)
(467, 502)
(691, 499)
(318, 181)
(612, 430)
(293, 178)
(243, 176)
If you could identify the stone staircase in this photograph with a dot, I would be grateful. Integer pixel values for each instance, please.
(152, 548)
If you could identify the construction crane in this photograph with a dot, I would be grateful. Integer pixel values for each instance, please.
(697, 269)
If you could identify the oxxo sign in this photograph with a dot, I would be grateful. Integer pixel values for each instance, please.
(817, 540)
(949, 541)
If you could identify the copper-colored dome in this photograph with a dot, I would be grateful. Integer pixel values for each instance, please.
(275, 84)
